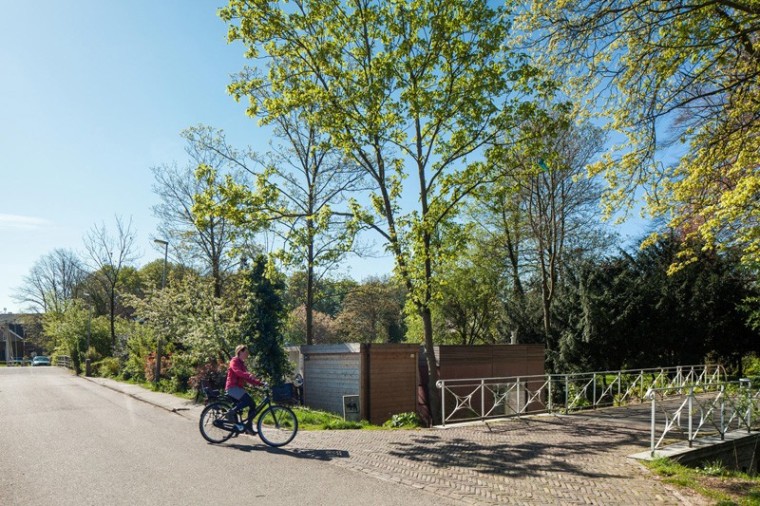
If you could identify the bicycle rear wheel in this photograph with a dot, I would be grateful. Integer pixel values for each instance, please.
(215, 428)
(277, 426)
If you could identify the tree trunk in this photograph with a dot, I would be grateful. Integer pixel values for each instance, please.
(216, 273)
(310, 305)
(434, 400)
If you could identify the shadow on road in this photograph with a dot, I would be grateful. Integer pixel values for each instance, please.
(522, 455)
(299, 453)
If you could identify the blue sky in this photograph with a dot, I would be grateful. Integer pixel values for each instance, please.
(93, 93)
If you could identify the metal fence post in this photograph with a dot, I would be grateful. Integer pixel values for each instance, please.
(593, 392)
(550, 392)
(681, 382)
(442, 384)
(749, 410)
(567, 390)
(518, 396)
(654, 412)
(691, 404)
(722, 413)
(745, 385)
(482, 398)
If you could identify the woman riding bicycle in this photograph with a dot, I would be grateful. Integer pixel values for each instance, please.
(237, 377)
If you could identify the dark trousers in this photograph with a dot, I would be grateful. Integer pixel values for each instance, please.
(245, 402)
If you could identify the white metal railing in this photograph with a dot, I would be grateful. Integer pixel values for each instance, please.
(484, 398)
(730, 406)
(64, 361)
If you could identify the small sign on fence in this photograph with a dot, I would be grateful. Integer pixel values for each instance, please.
(351, 408)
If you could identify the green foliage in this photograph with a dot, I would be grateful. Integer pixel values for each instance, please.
(194, 327)
(471, 288)
(328, 293)
(402, 89)
(576, 397)
(627, 312)
(715, 468)
(682, 73)
(68, 330)
(181, 368)
(403, 421)
(711, 480)
(751, 366)
(538, 214)
(263, 321)
(751, 308)
(109, 367)
(211, 244)
(373, 312)
(141, 342)
(341, 424)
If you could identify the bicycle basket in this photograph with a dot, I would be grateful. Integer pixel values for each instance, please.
(283, 393)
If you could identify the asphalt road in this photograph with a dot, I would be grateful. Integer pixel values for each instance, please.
(67, 441)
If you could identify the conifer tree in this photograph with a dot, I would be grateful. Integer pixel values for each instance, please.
(262, 324)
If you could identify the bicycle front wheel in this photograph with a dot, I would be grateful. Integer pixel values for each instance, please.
(277, 426)
(215, 428)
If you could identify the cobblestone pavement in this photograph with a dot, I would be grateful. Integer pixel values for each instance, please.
(539, 460)
(533, 460)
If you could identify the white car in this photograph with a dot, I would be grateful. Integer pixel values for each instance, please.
(41, 360)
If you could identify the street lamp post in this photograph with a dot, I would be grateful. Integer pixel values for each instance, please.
(165, 244)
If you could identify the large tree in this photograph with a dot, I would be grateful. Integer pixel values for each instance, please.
(666, 72)
(405, 90)
(315, 179)
(542, 209)
(306, 182)
(206, 243)
(373, 312)
(110, 254)
(626, 311)
(52, 282)
(470, 298)
(263, 322)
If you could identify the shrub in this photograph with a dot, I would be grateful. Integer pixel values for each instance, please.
(150, 367)
(751, 366)
(180, 371)
(403, 420)
(212, 374)
(109, 367)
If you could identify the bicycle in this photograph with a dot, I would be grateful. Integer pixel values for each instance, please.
(276, 425)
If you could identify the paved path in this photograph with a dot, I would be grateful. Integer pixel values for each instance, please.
(534, 460)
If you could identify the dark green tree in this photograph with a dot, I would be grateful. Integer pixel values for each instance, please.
(262, 326)
(328, 292)
(594, 307)
(628, 312)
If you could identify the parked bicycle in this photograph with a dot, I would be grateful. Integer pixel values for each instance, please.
(276, 425)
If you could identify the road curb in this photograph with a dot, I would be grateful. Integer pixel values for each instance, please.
(139, 396)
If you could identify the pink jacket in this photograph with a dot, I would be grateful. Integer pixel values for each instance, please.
(238, 375)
